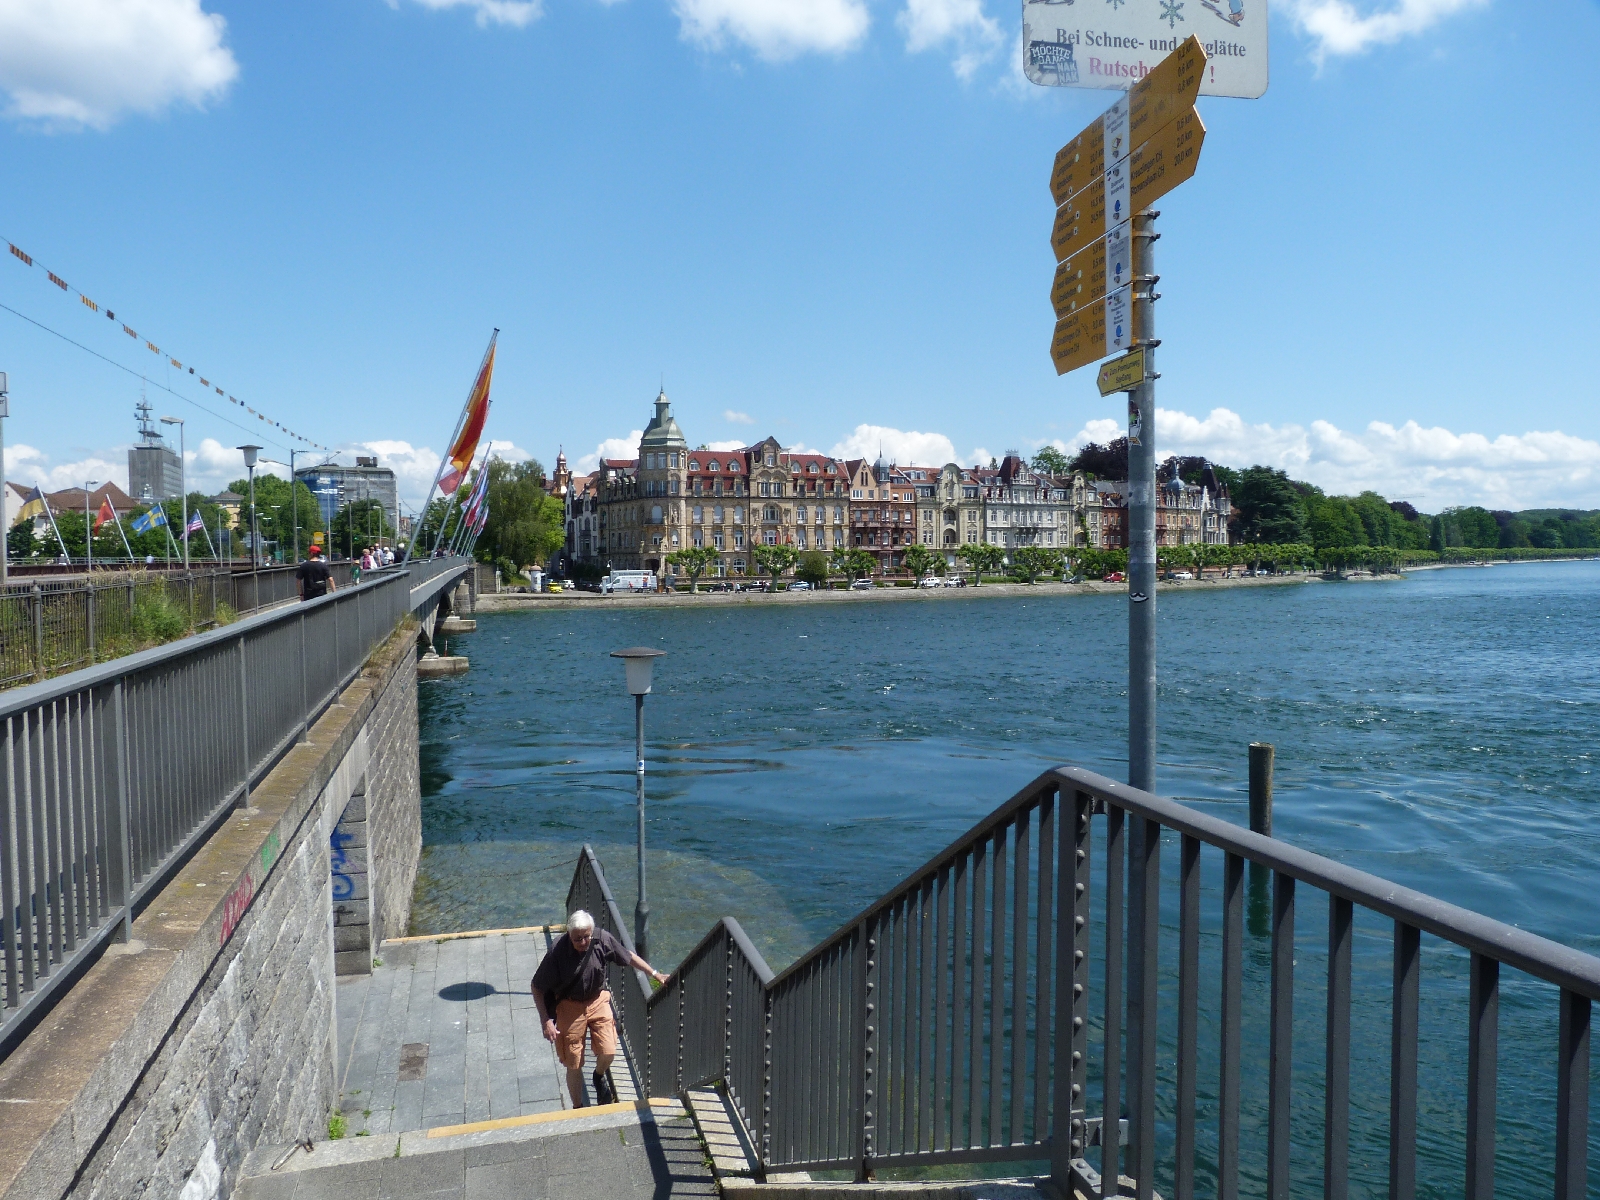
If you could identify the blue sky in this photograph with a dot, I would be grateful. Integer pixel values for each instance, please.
(826, 220)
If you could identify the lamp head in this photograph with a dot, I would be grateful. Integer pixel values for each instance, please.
(249, 456)
(638, 660)
(172, 420)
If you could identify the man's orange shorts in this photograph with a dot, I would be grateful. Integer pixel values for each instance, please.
(574, 1018)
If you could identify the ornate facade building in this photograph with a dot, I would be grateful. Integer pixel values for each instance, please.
(718, 501)
(883, 511)
(949, 507)
(1024, 507)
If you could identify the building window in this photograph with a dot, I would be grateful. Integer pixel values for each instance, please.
(656, 540)
(972, 535)
(738, 539)
(838, 514)
(800, 515)
(769, 461)
(770, 537)
(694, 464)
(655, 515)
(738, 566)
(699, 515)
(838, 540)
(927, 537)
(800, 539)
(716, 487)
(770, 513)
(716, 514)
(738, 516)
(716, 539)
(673, 487)
(777, 489)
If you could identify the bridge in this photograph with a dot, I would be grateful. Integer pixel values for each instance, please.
(1094, 991)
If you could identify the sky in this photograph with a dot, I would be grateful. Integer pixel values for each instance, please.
(824, 220)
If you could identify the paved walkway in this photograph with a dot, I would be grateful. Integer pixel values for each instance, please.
(445, 1032)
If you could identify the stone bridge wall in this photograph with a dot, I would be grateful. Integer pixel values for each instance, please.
(214, 1030)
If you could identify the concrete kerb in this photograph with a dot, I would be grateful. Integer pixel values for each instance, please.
(429, 1141)
(64, 1086)
(972, 1189)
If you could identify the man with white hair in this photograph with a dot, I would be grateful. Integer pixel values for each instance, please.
(570, 989)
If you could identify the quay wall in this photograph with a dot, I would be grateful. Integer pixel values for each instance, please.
(214, 1030)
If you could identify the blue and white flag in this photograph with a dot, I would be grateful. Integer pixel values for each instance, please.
(145, 522)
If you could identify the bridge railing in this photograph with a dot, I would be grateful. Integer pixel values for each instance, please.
(950, 1022)
(112, 775)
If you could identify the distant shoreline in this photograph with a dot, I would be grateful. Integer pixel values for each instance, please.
(525, 601)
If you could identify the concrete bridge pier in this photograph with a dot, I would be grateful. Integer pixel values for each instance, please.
(432, 664)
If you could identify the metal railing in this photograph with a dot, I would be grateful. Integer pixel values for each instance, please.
(951, 1021)
(111, 776)
(51, 625)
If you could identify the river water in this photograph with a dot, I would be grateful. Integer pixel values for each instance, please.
(804, 757)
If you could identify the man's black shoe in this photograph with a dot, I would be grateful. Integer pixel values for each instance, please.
(603, 1093)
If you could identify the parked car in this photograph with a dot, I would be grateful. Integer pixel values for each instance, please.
(1116, 577)
(861, 585)
(719, 587)
(1180, 575)
(931, 581)
(799, 585)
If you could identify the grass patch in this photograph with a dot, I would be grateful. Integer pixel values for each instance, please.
(336, 1126)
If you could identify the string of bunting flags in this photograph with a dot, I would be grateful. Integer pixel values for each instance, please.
(26, 259)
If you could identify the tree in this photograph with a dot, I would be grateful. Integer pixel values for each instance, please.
(1268, 507)
(694, 561)
(526, 524)
(1030, 562)
(20, 542)
(1050, 461)
(920, 560)
(851, 562)
(358, 526)
(775, 560)
(278, 510)
(1102, 462)
(813, 568)
(981, 557)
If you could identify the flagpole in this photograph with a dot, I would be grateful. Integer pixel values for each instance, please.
(478, 482)
(445, 457)
(60, 541)
(117, 521)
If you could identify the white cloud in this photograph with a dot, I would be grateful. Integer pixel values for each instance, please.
(76, 63)
(1433, 468)
(622, 447)
(775, 29)
(1338, 28)
(962, 24)
(491, 12)
(737, 418)
(901, 446)
(725, 447)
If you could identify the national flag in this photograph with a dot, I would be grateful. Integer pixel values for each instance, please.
(195, 522)
(33, 504)
(479, 496)
(466, 446)
(153, 519)
(106, 513)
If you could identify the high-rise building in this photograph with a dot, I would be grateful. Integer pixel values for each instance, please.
(154, 471)
(335, 486)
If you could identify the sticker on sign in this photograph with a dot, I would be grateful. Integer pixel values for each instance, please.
(1114, 45)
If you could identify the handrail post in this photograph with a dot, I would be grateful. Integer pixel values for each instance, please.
(38, 632)
(244, 727)
(864, 1045)
(1072, 830)
(119, 865)
(88, 603)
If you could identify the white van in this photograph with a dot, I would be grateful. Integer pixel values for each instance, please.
(628, 581)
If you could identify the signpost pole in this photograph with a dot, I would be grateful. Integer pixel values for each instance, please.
(1142, 521)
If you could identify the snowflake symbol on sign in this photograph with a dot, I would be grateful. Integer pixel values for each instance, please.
(1170, 13)
(1116, 4)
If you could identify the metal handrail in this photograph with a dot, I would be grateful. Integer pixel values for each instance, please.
(111, 776)
(930, 1027)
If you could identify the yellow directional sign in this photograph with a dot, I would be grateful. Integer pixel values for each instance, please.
(1088, 274)
(1151, 171)
(1167, 159)
(1166, 91)
(1122, 374)
(1149, 104)
(1094, 331)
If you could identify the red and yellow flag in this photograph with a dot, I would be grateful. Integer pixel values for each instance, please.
(459, 460)
(106, 513)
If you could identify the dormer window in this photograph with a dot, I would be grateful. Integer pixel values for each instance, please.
(694, 464)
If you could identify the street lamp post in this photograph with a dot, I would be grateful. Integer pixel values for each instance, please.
(183, 484)
(88, 528)
(639, 660)
(250, 453)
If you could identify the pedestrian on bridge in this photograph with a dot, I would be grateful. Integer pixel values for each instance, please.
(313, 576)
(570, 989)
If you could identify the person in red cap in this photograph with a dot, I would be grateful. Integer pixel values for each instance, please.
(313, 576)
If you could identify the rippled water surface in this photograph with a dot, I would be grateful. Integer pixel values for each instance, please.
(804, 757)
